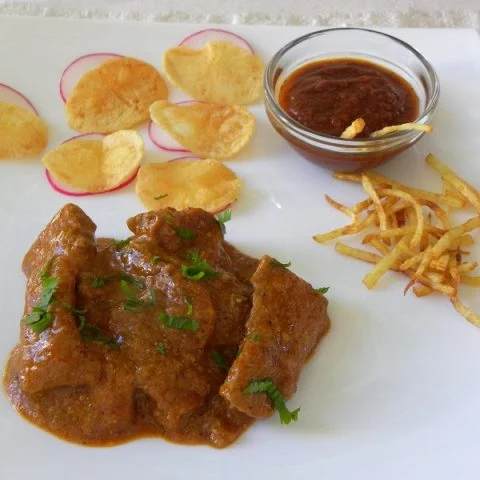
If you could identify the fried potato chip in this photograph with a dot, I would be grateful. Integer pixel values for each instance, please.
(220, 72)
(354, 129)
(96, 165)
(114, 96)
(22, 133)
(180, 184)
(206, 129)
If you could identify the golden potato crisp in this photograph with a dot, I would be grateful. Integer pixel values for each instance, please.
(96, 165)
(114, 96)
(22, 133)
(220, 72)
(206, 184)
(206, 129)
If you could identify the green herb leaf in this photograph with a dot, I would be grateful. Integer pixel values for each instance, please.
(101, 281)
(223, 218)
(92, 333)
(161, 348)
(119, 244)
(169, 218)
(133, 303)
(40, 318)
(97, 282)
(184, 233)
(219, 361)
(256, 337)
(239, 351)
(275, 263)
(198, 269)
(268, 386)
(322, 290)
(179, 323)
(188, 303)
(155, 259)
(160, 197)
(38, 321)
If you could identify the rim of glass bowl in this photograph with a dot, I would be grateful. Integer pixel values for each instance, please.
(392, 140)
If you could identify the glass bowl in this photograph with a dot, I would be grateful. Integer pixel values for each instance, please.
(357, 43)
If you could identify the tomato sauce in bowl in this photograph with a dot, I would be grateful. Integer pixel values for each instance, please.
(328, 95)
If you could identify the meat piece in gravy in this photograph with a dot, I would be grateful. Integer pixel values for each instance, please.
(144, 331)
(287, 320)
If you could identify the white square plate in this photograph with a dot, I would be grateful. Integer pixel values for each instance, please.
(394, 390)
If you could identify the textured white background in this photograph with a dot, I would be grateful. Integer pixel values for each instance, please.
(394, 13)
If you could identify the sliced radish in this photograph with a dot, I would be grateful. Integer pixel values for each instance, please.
(64, 190)
(226, 207)
(199, 39)
(184, 158)
(14, 97)
(162, 139)
(86, 136)
(59, 188)
(75, 70)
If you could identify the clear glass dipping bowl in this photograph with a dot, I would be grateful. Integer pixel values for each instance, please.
(380, 48)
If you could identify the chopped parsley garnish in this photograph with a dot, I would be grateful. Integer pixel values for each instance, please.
(87, 330)
(160, 197)
(184, 233)
(155, 259)
(219, 361)
(133, 303)
(239, 351)
(268, 386)
(179, 323)
(322, 290)
(256, 337)
(223, 218)
(41, 318)
(92, 333)
(199, 268)
(169, 218)
(79, 313)
(276, 263)
(188, 303)
(119, 244)
(161, 348)
(97, 282)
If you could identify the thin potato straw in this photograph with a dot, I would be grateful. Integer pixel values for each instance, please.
(342, 208)
(353, 129)
(470, 280)
(422, 291)
(417, 236)
(466, 312)
(368, 187)
(419, 127)
(449, 198)
(373, 258)
(453, 179)
(371, 279)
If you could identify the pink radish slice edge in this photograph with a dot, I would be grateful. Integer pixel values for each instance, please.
(76, 69)
(59, 189)
(163, 140)
(199, 39)
(185, 158)
(65, 191)
(226, 207)
(14, 97)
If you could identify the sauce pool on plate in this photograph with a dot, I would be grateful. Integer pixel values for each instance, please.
(328, 95)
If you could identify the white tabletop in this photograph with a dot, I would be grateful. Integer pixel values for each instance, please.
(377, 13)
